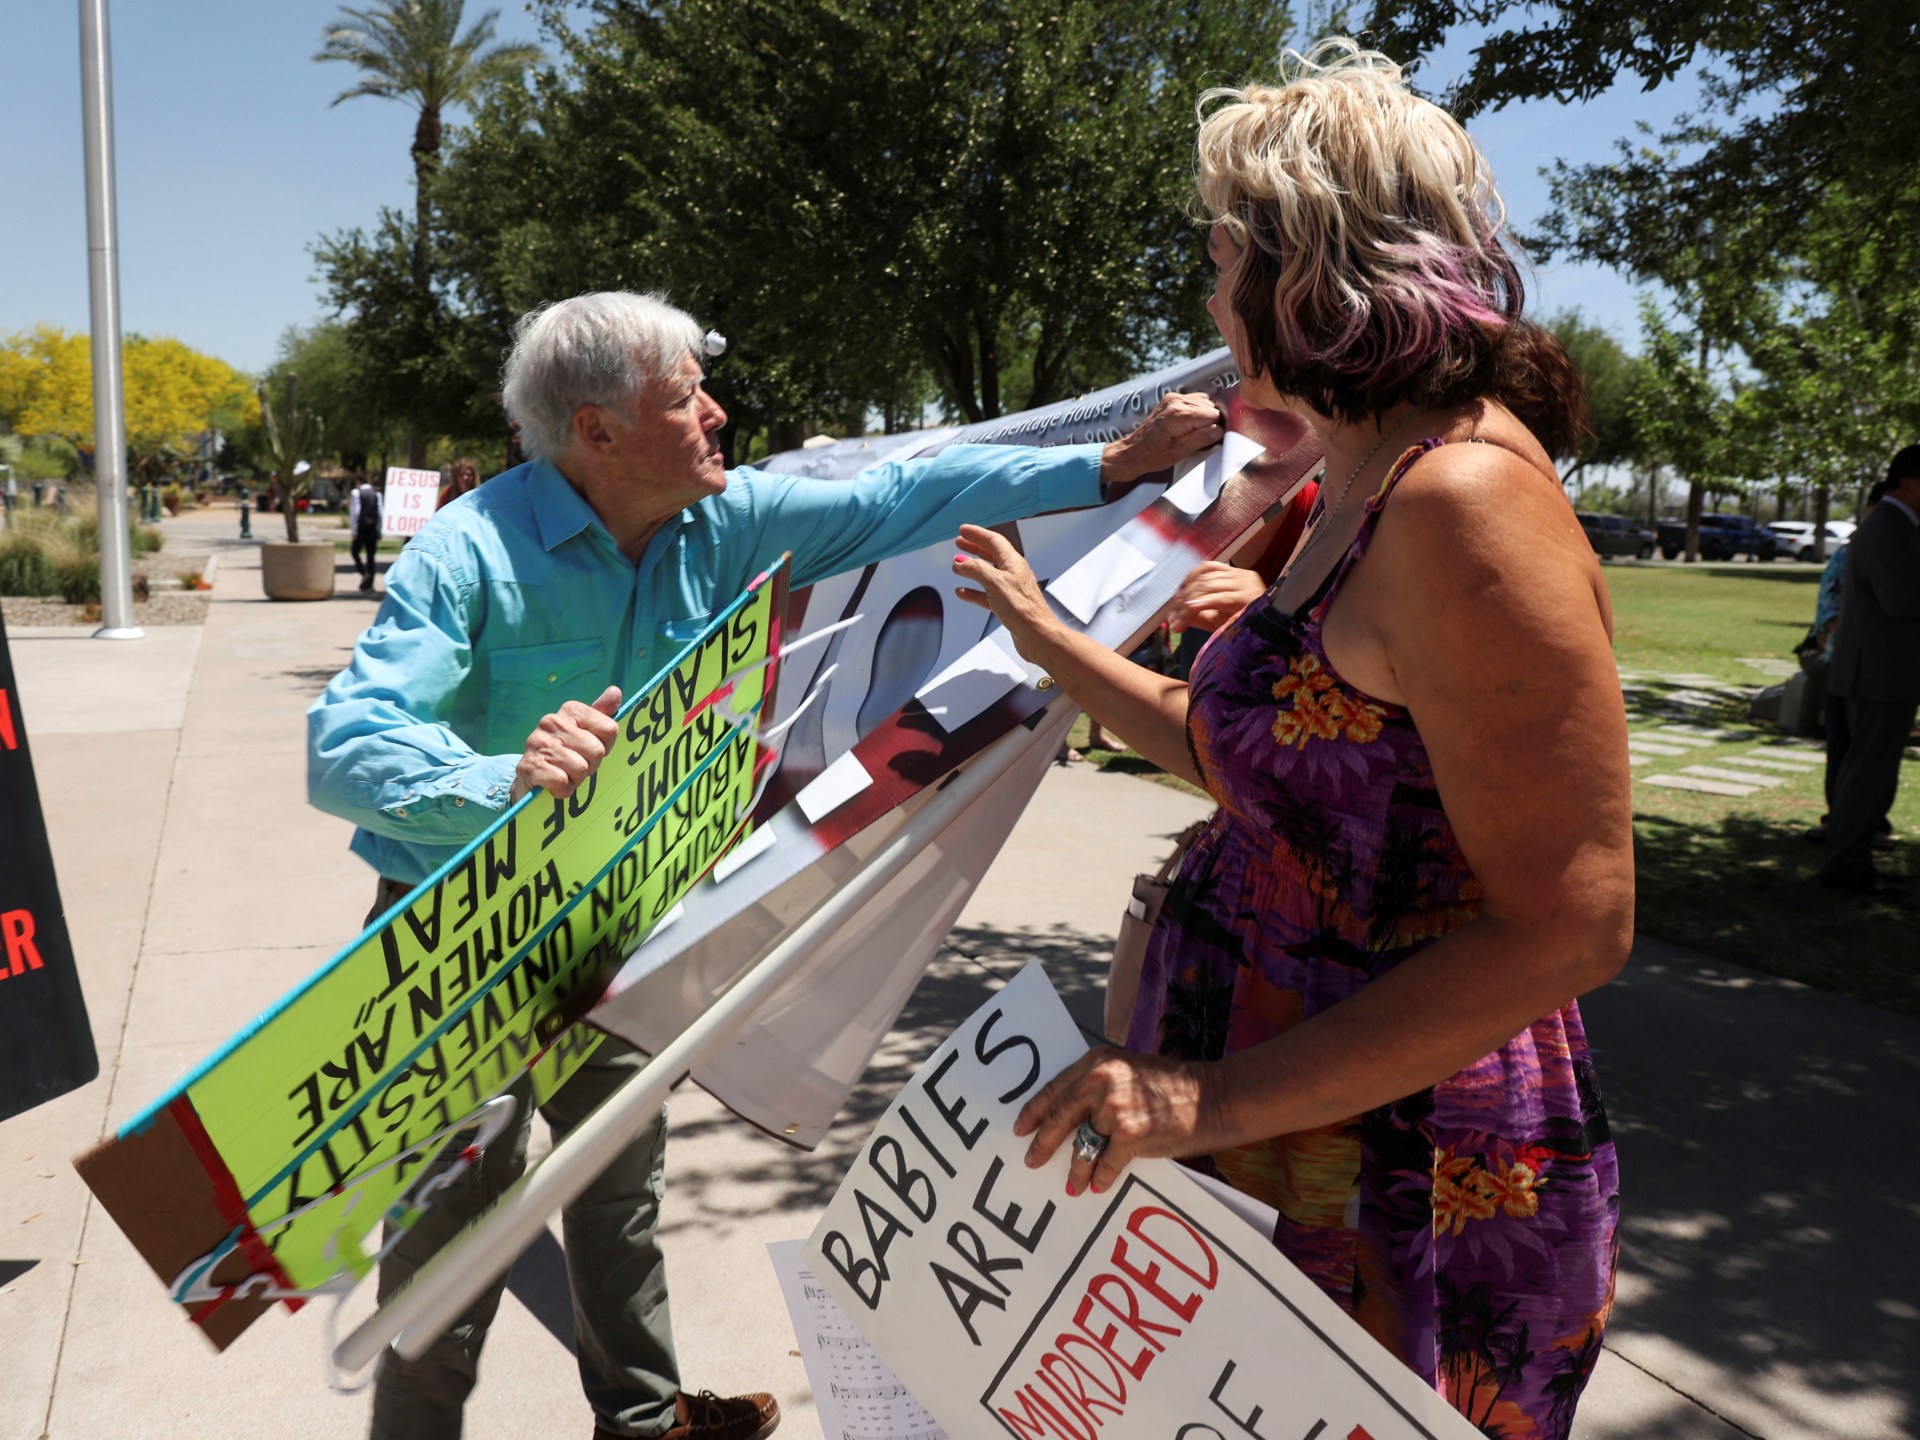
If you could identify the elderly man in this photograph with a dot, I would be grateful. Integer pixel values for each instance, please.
(1876, 671)
(512, 626)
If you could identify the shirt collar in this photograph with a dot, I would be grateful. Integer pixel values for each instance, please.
(560, 512)
(1902, 506)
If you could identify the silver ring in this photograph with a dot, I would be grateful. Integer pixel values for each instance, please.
(1089, 1143)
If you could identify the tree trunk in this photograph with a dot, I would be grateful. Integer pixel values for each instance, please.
(955, 357)
(426, 160)
(1822, 507)
(1696, 497)
(987, 326)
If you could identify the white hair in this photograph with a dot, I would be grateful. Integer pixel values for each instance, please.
(597, 349)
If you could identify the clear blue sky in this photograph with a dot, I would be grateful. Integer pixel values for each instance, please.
(232, 160)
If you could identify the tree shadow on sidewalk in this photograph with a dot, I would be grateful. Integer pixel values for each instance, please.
(1770, 1180)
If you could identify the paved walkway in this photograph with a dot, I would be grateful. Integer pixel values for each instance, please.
(1769, 1284)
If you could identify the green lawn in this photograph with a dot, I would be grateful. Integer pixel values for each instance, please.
(1709, 619)
(1733, 875)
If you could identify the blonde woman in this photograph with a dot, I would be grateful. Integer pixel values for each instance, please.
(1360, 1003)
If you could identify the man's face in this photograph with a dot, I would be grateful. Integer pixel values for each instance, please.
(668, 443)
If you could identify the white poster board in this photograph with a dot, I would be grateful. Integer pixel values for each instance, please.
(1010, 1309)
(411, 498)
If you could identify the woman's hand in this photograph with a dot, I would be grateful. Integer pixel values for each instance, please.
(1145, 1105)
(1006, 581)
(1182, 424)
(1213, 594)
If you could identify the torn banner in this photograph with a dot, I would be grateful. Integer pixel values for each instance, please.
(265, 1174)
(896, 704)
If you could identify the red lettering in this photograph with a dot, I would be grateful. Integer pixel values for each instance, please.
(1112, 1387)
(1130, 1317)
(1150, 1277)
(16, 929)
(1359, 1432)
(1070, 1377)
(1135, 1367)
(7, 737)
(1086, 1429)
(1137, 1223)
(1028, 1426)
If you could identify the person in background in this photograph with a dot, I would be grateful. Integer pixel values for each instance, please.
(464, 476)
(1833, 709)
(514, 623)
(363, 521)
(1359, 1003)
(1875, 673)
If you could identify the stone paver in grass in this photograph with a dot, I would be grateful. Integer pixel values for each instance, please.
(1695, 699)
(1808, 766)
(1695, 782)
(1634, 759)
(1648, 747)
(1741, 777)
(1705, 734)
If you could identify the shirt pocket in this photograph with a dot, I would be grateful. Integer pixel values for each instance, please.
(526, 682)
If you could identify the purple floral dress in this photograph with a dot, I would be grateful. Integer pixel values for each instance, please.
(1470, 1228)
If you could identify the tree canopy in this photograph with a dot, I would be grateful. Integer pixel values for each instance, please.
(1802, 97)
(415, 51)
(174, 394)
(877, 201)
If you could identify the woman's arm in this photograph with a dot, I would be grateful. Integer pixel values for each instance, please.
(1149, 709)
(1479, 609)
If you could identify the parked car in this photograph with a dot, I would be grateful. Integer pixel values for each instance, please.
(1796, 536)
(1615, 535)
(1721, 538)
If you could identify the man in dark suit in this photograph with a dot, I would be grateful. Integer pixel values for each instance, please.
(1876, 669)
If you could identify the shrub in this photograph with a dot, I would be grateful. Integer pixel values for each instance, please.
(75, 566)
(23, 568)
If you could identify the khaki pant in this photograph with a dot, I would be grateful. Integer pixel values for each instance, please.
(623, 1332)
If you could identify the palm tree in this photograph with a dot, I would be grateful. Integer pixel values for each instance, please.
(414, 50)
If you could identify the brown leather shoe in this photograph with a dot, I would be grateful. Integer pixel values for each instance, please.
(708, 1416)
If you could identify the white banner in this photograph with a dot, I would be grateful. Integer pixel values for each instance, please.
(1011, 1309)
(411, 498)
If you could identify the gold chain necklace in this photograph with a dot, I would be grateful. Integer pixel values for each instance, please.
(1326, 517)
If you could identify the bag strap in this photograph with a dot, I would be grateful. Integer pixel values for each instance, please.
(1171, 865)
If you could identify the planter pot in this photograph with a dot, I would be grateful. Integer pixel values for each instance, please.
(297, 570)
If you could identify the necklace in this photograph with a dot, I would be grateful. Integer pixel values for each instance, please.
(1326, 515)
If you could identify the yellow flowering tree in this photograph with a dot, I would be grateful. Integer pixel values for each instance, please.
(173, 394)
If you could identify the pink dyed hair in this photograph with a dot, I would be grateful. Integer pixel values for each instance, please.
(1371, 266)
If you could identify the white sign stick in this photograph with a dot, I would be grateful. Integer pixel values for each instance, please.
(415, 1316)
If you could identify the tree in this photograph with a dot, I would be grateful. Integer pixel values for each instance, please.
(865, 195)
(1682, 412)
(340, 386)
(174, 394)
(1611, 377)
(414, 51)
(1802, 97)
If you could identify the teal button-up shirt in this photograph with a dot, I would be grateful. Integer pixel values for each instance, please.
(515, 599)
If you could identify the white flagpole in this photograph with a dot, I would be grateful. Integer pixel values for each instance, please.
(103, 283)
(420, 1313)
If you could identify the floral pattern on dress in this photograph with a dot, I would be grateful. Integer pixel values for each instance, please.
(1471, 1228)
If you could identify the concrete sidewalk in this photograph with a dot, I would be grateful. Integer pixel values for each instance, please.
(1767, 1133)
